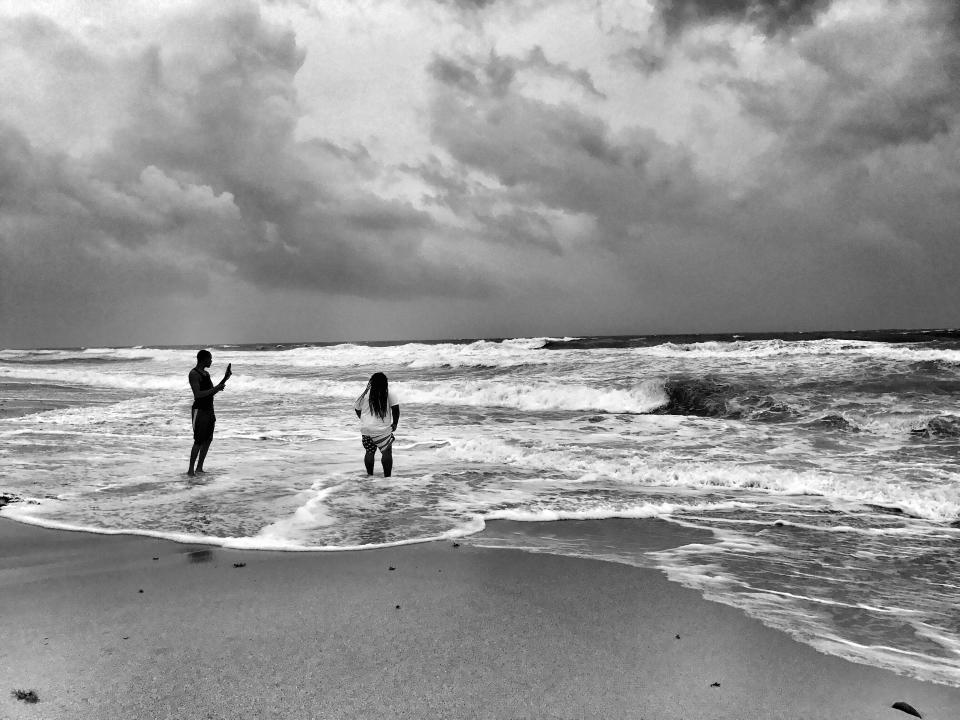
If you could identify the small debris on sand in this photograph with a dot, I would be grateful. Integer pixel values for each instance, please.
(456, 544)
(239, 565)
(908, 709)
(678, 636)
(398, 607)
(716, 684)
(391, 568)
(140, 590)
(27, 696)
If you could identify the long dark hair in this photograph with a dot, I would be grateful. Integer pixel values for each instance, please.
(377, 391)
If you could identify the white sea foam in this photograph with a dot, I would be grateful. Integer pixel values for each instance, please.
(25, 512)
(544, 395)
(643, 397)
(308, 517)
(758, 349)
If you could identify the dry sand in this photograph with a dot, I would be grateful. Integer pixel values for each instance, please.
(106, 627)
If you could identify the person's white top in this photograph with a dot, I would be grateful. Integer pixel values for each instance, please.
(370, 424)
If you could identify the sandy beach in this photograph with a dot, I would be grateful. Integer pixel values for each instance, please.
(132, 627)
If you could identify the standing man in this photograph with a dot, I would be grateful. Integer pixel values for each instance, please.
(202, 414)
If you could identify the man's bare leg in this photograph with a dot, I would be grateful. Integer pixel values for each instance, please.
(368, 462)
(203, 454)
(386, 459)
(194, 451)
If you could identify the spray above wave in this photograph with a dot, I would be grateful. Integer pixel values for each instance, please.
(643, 397)
(947, 338)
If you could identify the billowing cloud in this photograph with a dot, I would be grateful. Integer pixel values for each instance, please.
(557, 155)
(461, 168)
(200, 168)
(770, 16)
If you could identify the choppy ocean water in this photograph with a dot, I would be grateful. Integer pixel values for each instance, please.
(825, 467)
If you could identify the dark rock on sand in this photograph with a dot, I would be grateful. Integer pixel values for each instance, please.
(27, 696)
(7, 499)
(908, 709)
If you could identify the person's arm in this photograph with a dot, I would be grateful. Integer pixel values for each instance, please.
(197, 392)
(395, 409)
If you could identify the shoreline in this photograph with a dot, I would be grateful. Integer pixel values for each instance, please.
(122, 626)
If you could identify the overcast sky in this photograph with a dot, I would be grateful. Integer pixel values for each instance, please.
(206, 172)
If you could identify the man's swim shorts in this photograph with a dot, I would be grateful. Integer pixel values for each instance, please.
(203, 423)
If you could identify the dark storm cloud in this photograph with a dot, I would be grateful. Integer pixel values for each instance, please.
(450, 73)
(453, 189)
(645, 59)
(770, 16)
(865, 86)
(558, 156)
(499, 72)
(537, 60)
(468, 4)
(808, 178)
(203, 174)
(47, 39)
(61, 257)
(849, 209)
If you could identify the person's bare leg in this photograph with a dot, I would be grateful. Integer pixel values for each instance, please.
(203, 454)
(368, 462)
(386, 459)
(194, 451)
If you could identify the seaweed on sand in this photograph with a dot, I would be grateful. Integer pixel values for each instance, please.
(27, 696)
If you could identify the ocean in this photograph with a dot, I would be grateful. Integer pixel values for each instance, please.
(821, 470)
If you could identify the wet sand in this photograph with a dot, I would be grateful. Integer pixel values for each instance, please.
(104, 627)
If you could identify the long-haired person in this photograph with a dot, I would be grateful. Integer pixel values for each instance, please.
(379, 413)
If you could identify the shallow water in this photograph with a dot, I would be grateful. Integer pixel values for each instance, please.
(824, 469)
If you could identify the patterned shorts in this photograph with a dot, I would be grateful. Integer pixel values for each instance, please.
(383, 442)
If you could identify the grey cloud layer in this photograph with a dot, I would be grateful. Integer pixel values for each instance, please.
(187, 173)
(851, 211)
(203, 174)
(557, 155)
(770, 16)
